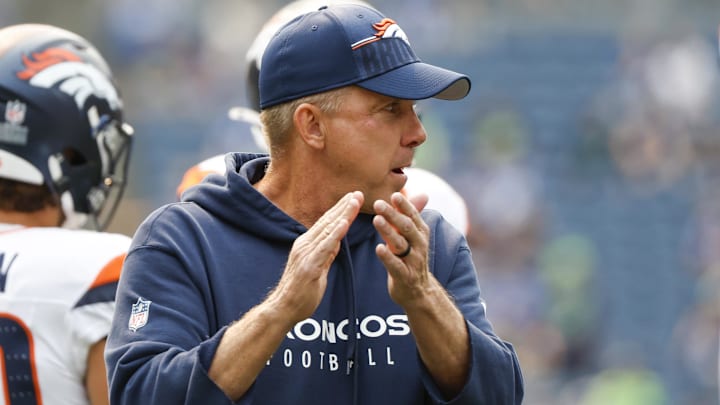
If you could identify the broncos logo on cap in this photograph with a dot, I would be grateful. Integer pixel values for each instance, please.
(77, 79)
(386, 28)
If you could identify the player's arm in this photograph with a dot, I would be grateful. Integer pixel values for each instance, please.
(96, 378)
(249, 343)
(442, 338)
(462, 355)
(438, 326)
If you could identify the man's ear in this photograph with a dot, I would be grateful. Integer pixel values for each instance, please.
(307, 122)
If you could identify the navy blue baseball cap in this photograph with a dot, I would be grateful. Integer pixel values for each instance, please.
(350, 44)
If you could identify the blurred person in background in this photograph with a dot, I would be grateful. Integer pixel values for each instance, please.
(64, 148)
(442, 196)
(344, 296)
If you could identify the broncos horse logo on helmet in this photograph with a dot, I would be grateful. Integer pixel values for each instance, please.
(60, 66)
(61, 122)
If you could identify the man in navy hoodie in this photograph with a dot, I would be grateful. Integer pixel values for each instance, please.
(305, 276)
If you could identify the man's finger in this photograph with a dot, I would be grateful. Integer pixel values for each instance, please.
(339, 210)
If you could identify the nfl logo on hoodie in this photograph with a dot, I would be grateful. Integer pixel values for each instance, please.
(139, 314)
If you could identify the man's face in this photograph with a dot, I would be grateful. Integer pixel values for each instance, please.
(370, 140)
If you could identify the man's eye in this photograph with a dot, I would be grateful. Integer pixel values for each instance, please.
(392, 107)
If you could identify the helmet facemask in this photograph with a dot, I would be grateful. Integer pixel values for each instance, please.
(91, 204)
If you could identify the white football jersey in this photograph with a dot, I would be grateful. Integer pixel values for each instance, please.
(57, 291)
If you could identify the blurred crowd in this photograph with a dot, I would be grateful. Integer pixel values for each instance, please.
(588, 152)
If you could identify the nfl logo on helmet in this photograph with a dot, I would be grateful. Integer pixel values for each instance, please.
(15, 112)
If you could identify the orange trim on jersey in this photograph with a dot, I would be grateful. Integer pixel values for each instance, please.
(110, 273)
(193, 176)
(4, 373)
(31, 349)
(18, 229)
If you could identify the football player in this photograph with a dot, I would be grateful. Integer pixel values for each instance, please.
(64, 149)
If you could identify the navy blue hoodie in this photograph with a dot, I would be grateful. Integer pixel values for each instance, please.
(196, 266)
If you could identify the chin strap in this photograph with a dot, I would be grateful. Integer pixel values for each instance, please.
(73, 219)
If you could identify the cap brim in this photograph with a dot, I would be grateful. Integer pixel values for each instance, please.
(418, 81)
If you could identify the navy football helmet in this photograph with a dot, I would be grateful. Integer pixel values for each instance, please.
(61, 122)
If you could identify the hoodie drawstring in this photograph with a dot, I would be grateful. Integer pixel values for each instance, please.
(352, 348)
